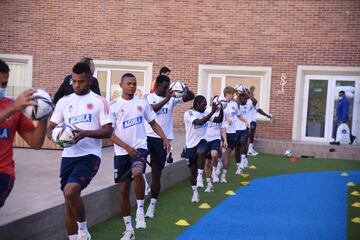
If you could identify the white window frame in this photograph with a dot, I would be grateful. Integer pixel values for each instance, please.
(134, 66)
(299, 118)
(21, 59)
(264, 73)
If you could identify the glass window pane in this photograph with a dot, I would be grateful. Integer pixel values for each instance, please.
(115, 89)
(349, 88)
(101, 77)
(316, 113)
(17, 82)
(215, 88)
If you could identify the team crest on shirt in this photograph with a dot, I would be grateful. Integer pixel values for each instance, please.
(90, 106)
(139, 108)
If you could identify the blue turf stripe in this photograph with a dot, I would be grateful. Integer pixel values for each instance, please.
(293, 206)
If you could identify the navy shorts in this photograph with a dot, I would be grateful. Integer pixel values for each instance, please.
(191, 153)
(253, 124)
(123, 164)
(213, 145)
(231, 140)
(79, 170)
(156, 151)
(6, 185)
(243, 135)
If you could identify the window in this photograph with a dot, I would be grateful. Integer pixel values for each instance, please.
(213, 79)
(20, 77)
(109, 74)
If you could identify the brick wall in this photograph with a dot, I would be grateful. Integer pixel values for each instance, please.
(184, 34)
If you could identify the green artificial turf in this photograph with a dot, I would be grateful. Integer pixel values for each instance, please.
(174, 203)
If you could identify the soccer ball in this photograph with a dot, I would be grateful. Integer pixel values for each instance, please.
(178, 87)
(240, 88)
(220, 100)
(44, 106)
(63, 135)
(288, 153)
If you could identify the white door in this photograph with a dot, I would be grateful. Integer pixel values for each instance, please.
(320, 101)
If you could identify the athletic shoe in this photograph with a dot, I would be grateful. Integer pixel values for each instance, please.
(238, 171)
(199, 182)
(223, 179)
(83, 235)
(215, 178)
(252, 153)
(209, 188)
(140, 221)
(150, 213)
(128, 235)
(352, 139)
(195, 197)
(245, 162)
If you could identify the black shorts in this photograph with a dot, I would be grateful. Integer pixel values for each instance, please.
(191, 153)
(156, 151)
(231, 140)
(213, 145)
(79, 170)
(123, 164)
(6, 185)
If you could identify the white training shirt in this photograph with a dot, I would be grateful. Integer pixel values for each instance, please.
(87, 112)
(231, 113)
(194, 133)
(247, 110)
(164, 117)
(213, 130)
(128, 118)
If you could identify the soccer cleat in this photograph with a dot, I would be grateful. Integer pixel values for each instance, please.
(140, 221)
(150, 213)
(238, 171)
(252, 153)
(128, 235)
(199, 182)
(245, 162)
(215, 178)
(209, 188)
(83, 235)
(223, 179)
(195, 197)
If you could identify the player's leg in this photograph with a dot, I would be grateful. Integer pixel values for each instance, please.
(244, 135)
(209, 187)
(201, 156)
(251, 150)
(137, 169)
(215, 148)
(191, 158)
(6, 185)
(239, 164)
(231, 139)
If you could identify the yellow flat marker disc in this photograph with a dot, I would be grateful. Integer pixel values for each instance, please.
(230, 193)
(244, 183)
(244, 175)
(351, 184)
(205, 206)
(182, 223)
(357, 204)
(252, 167)
(356, 220)
(355, 193)
(344, 174)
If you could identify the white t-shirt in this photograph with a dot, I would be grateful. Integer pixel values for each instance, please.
(194, 133)
(128, 118)
(213, 129)
(247, 110)
(231, 113)
(163, 116)
(87, 112)
(254, 112)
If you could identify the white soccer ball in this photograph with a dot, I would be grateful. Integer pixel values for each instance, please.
(220, 100)
(44, 106)
(288, 153)
(63, 135)
(240, 88)
(178, 87)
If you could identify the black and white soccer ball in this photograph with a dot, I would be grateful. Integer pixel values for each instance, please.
(220, 100)
(63, 135)
(288, 153)
(240, 88)
(178, 87)
(44, 106)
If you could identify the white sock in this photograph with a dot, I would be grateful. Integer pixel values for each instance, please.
(82, 226)
(251, 146)
(238, 165)
(194, 188)
(127, 221)
(214, 169)
(243, 156)
(208, 180)
(224, 172)
(153, 201)
(200, 172)
(72, 237)
(140, 206)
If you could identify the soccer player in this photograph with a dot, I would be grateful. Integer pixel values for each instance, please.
(89, 114)
(129, 138)
(66, 88)
(256, 109)
(163, 103)
(213, 138)
(195, 127)
(12, 121)
(231, 115)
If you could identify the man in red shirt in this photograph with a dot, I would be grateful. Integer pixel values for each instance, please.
(12, 121)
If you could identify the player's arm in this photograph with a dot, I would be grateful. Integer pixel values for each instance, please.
(243, 119)
(158, 130)
(253, 99)
(49, 129)
(220, 117)
(224, 137)
(201, 121)
(259, 110)
(104, 132)
(23, 100)
(188, 96)
(35, 138)
(132, 151)
(157, 106)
